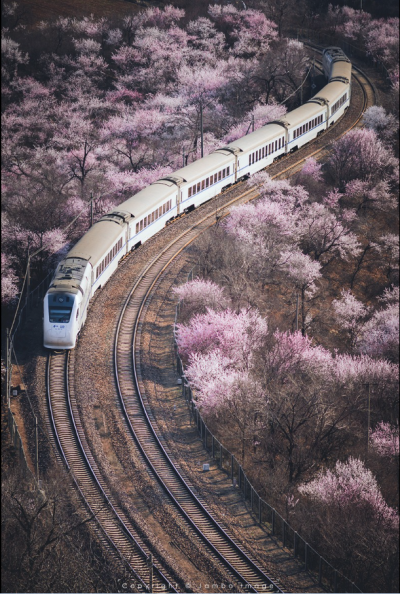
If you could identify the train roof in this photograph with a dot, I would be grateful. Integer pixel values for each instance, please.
(301, 114)
(202, 167)
(254, 139)
(95, 243)
(332, 91)
(341, 69)
(148, 198)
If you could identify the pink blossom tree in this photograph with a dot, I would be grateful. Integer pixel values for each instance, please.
(9, 281)
(379, 336)
(263, 230)
(382, 40)
(302, 273)
(388, 249)
(312, 169)
(220, 330)
(249, 31)
(371, 194)
(199, 294)
(385, 439)
(359, 155)
(346, 506)
(349, 314)
(384, 124)
(350, 485)
(327, 235)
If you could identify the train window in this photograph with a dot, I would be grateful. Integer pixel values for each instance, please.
(190, 192)
(263, 152)
(203, 184)
(249, 159)
(198, 187)
(219, 175)
(207, 182)
(228, 171)
(59, 314)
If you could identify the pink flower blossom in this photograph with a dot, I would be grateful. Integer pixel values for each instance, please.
(385, 439)
(351, 484)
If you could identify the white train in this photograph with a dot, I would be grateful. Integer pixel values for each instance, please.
(95, 257)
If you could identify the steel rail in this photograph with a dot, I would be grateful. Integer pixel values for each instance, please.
(159, 259)
(165, 584)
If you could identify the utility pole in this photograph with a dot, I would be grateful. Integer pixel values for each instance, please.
(201, 129)
(183, 156)
(37, 450)
(8, 365)
(91, 209)
(28, 280)
(252, 122)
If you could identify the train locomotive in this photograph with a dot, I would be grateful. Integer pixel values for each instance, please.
(94, 258)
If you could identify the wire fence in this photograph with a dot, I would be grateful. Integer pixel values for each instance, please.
(328, 577)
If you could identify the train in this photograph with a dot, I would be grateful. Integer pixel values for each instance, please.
(95, 257)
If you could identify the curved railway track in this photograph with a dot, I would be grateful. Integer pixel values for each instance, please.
(75, 453)
(126, 356)
(68, 430)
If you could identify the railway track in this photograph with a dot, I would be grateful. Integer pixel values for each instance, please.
(244, 571)
(70, 437)
(74, 451)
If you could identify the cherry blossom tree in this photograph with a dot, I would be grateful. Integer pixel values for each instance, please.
(385, 439)
(384, 124)
(388, 249)
(382, 40)
(348, 508)
(263, 229)
(12, 58)
(359, 155)
(302, 273)
(312, 169)
(249, 31)
(220, 330)
(349, 313)
(326, 235)
(199, 294)
(371, 194)
(350, 484)
(9, 281)
(379, 336)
